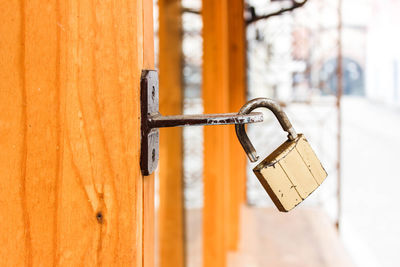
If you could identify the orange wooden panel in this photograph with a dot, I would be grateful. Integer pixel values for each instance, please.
(148, 182)
(171, 225)
(237, 97)
(14, 238)
(216, 139)
(71, 191)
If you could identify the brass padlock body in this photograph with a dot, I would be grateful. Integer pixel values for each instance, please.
(290, 173)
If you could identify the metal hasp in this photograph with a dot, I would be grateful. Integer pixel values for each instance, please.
(152, 120)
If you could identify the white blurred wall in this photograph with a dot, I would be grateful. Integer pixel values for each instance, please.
(383, 52)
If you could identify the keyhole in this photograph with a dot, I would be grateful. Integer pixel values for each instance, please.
(153, 155)
(153, 93)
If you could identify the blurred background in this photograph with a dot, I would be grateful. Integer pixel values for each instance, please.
(335, 67)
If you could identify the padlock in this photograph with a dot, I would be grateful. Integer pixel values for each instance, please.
(291, 172)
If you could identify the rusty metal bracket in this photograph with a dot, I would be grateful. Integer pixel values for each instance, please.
(151, 120)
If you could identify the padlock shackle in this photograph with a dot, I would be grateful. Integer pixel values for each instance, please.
(279, 114)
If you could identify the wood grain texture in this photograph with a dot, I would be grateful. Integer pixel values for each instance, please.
(71, 191)
(237, 98)
(216, 139)
(148, 182)
(171, 209)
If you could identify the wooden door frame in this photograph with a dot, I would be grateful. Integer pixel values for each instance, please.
(71, 190)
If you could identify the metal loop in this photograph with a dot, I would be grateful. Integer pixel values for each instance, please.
(279, 114)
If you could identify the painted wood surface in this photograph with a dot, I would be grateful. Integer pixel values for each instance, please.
(291, 173)
(171, 209)
(216, 139)
(71, 192)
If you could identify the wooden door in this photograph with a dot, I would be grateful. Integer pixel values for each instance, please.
(71, 191)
